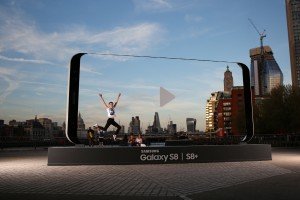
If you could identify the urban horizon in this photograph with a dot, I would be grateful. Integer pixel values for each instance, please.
(163, 127)
(34, 63)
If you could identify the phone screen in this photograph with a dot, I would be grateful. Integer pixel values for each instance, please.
(184, 87)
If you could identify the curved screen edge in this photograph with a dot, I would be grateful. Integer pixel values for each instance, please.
(72, 99)
(248, 103)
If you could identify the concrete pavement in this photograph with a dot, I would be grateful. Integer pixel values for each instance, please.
(25, 174)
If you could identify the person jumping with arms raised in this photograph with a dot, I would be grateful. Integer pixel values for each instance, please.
(110, 108)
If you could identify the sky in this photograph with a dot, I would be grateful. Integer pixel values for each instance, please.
(39, 37)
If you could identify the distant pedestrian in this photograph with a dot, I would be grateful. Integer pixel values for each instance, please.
(110, 108)
(139, 140)
(131, 140)
(90, 136)
(100, 136)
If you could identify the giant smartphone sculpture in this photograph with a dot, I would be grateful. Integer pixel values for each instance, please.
(73, 95)
(82, 155)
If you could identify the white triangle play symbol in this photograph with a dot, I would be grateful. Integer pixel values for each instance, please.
(165, 96)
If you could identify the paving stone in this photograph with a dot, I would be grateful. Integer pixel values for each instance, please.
(32, 175)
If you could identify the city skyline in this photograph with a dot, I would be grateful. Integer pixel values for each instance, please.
(133, 126)
(38, 40)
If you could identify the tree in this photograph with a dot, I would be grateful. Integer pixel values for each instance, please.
(279, 113)
(292, 105)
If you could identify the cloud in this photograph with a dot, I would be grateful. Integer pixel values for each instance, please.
(24, 60)
(153, 5)
(89, 69)
(13, 79)
(128, 39)
(161, 6)
(42, 83)
(5, 71)
(6, 75)
(24, 37)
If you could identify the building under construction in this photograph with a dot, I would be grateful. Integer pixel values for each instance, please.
(265, 72)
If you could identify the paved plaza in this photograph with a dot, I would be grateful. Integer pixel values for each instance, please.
(25, 174)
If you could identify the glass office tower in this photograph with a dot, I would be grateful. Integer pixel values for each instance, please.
(191, 124)
(265, 72)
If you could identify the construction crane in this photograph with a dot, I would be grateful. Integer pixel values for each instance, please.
(262, 36)
(261, 68)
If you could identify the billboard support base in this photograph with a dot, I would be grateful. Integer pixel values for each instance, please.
(118, 155)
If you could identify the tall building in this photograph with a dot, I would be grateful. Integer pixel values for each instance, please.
(265, 72)
(210, 111)
(293, 26)
(155, 128)
(238, 123)
(225, 113)
(48, 125)
(223, 116)
(15, 123)
(230, 112)
(156, 123)
(191, 125)
(228, 81)
(172, 128)
(134, 125)
(34, 129)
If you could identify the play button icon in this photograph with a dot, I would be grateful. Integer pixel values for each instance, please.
(165, 96)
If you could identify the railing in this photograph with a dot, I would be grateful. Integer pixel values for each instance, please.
(288, 140)
(11, 142)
